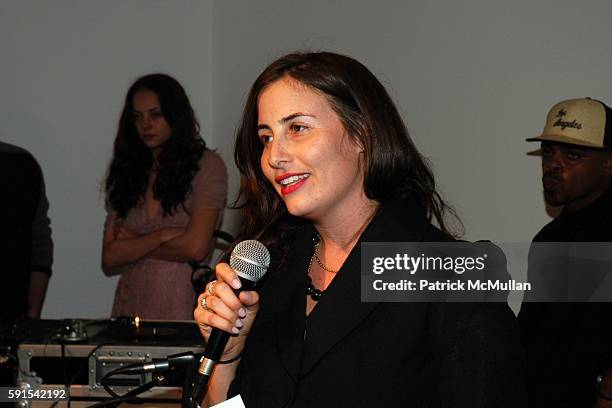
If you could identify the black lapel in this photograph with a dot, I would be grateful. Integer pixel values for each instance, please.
(341, 310)
(290, 302)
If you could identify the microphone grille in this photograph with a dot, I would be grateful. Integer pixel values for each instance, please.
(250, 259)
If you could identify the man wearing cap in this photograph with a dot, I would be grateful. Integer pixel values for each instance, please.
(568, 345)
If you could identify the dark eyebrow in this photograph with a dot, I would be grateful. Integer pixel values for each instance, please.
(286, 119)
(150, 110)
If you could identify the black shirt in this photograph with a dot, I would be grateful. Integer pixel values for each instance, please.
(25, 241)
(568, 344)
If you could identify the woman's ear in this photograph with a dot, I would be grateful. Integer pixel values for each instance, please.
(353, 143)
(358, 144)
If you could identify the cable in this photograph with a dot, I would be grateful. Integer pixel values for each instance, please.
(132, 395)
(80, 369)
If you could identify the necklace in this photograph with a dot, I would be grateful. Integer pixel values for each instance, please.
(316, 248)
(314, 293)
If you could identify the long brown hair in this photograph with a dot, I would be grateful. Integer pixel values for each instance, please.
(128, 172)
(393, 166)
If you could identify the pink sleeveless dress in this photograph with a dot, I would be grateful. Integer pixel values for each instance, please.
(158, 289)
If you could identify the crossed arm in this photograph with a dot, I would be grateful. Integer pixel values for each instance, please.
(122, 246)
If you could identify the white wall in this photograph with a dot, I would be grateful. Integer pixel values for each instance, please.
(473, 79)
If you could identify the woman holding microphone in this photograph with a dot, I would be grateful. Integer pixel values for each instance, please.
(327, 163)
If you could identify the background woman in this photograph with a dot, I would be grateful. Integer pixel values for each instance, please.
(165, 195)
(327, 163)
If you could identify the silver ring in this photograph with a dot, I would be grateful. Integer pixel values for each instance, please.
(203, 303)
(211, 286)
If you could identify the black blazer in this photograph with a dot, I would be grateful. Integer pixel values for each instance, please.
(354, 354)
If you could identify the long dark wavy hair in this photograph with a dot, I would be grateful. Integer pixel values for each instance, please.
(132, 160)
(393, 166)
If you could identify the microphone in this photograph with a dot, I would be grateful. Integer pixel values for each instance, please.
(175, 360)
(250, 259)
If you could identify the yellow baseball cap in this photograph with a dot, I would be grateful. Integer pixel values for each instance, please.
(582, 122)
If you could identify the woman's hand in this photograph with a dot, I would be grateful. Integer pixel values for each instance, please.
(227, 312)
(193, 243)
(122, 246)
(166, 234)
(169, 233)
(124, 232)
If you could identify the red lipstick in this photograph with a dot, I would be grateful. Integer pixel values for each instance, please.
(288, 189)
